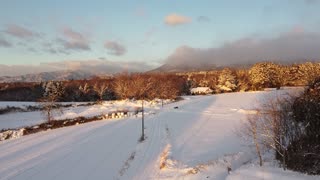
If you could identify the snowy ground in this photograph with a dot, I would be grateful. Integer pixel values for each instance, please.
(195, 141)
(21, 119)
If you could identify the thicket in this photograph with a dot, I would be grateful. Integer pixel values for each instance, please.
(289, 124)
(303, 153)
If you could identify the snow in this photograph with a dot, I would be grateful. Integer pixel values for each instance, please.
(251, 172)
(11, 134)
(22, 119)
(200, 90)
(195, 141)
(4, 104)
(270, 89)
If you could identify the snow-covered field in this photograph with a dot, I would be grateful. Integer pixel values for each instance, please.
(195, 141)
(21, 119)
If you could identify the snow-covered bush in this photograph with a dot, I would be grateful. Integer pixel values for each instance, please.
(53, 90)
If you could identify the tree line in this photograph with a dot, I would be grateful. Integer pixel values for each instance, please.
(121, 86)
(169, 85)
(257, 77)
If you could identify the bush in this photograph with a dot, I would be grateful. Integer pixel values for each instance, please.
(290, 126)
(304, 152)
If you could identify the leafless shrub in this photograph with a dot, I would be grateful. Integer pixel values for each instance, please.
(100, 89)
(272, 126)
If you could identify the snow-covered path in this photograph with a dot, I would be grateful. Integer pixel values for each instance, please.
(200, 133)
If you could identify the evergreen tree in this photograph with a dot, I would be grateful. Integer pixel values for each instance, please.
(227, 81)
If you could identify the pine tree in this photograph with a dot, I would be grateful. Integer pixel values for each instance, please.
(227, 81)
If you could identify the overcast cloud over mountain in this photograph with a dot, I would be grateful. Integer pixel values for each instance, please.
(289, 48)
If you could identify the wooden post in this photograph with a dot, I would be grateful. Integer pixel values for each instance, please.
(142, 135)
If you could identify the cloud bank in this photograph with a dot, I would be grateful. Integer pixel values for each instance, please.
(288, 47)
(175, 19)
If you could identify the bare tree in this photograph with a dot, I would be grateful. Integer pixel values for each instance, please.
(142, 85)
(252, 130)
(123, 85)
(272, 126)
(166, 88)
(84, 89)
(52, 92)
(100, 89)
(137, 86)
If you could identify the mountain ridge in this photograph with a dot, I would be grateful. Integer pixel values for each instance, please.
(62, 75)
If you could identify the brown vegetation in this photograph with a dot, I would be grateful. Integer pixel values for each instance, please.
(168, 85)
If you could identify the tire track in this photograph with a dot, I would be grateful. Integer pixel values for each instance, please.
(150, 152)
(93, 134)
(54, 144)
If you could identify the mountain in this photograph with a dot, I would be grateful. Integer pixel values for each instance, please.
(66, 70)
(48, 76)
(183, 67)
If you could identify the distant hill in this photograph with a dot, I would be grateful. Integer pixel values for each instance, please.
(48, 76)
(66, 70)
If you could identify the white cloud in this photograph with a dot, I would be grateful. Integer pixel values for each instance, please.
(175, 19)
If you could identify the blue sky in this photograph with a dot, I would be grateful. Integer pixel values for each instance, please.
(43, 31)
